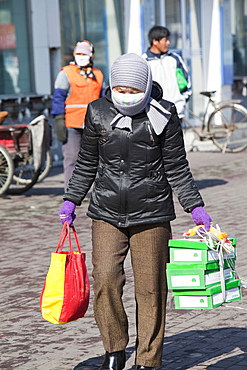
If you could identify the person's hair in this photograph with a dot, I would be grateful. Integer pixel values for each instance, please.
(157, 33)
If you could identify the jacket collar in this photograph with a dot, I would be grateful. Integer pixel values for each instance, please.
(151, 55)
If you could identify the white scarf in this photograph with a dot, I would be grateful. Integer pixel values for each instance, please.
(157, 114)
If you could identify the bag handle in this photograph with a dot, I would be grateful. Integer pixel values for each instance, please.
(76, 239)
(64, 234)
(62, 238)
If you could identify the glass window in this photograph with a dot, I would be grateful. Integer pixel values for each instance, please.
(150, 10)
(171, 16)
(173, 23)
(14, 50)
(90, 20)
(239, 37)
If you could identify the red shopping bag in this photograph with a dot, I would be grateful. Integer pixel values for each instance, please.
(65, 294)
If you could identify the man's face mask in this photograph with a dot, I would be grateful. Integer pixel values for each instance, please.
(82, 60)
(127, 99)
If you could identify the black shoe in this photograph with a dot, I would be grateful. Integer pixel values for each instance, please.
(114, 361)
(139, 367)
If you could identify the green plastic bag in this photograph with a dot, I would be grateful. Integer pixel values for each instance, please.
(181, 80)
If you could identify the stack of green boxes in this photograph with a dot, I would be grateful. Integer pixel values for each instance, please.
(193, 275)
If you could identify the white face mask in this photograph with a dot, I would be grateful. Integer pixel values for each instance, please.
(82, 60)
(126, 99)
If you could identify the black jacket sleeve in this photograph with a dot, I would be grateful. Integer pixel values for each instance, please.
(176, 165)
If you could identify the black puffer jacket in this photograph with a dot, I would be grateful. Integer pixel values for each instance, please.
(134, 172)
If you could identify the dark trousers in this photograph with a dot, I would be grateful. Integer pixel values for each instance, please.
(70, 151)
(148, 245)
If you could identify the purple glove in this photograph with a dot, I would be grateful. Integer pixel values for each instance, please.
(200, 217)
(66, 212)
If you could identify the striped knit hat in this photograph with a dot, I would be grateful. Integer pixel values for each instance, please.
(130, 70)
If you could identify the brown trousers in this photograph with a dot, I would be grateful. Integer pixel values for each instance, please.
(148, 245)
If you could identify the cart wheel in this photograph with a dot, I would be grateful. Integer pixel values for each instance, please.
(6, 169)
(45, 170)
(25, 176)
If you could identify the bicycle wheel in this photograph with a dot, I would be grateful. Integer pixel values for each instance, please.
(45, 170)
(6, 169)
(25, 176)
(228, 127)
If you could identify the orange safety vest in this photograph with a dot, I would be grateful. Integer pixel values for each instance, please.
(82, 92)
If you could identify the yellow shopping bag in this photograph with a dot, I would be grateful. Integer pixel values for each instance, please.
(65, 294)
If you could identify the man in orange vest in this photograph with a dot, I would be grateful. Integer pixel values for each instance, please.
(76, 85)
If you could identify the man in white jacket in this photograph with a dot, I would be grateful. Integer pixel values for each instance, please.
(168, 68)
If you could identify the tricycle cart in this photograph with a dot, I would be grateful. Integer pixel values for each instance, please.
(25, 156)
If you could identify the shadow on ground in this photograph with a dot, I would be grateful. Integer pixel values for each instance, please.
(45, 191)
(207, 183)
(96, 362)
(193, 348)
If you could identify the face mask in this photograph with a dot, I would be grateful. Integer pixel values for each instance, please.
(127, 99)
(82, 60)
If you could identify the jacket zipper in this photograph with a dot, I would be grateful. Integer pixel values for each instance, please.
(123, 186)
(150, 133)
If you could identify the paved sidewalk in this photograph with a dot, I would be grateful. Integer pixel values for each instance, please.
(196, 339)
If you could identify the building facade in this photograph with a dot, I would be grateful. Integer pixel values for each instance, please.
(37, 38)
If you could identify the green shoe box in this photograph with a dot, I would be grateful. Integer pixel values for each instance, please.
(190, 251)
(182, 255)
(208, 298)
(194, 276)
(193, 243)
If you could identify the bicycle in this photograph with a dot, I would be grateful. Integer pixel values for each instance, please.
(21, 162)
(226, 125)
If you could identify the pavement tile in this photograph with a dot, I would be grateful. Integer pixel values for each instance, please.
(194, 339)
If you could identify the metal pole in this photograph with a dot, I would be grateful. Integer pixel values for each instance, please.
(162, 11)
(183, 23)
